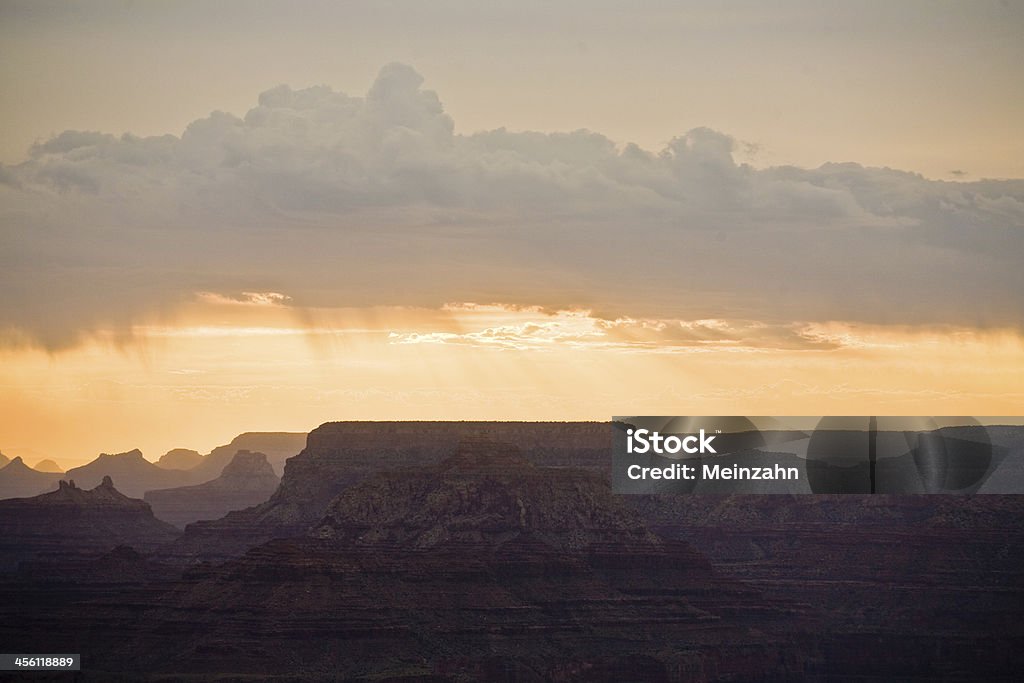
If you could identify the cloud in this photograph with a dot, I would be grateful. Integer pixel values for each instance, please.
(244, 298)
(377, 200)
(530, 328)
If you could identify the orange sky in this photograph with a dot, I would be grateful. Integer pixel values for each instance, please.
(216, 368)
(234, 216)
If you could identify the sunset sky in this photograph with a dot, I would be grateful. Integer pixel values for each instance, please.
(230, 217)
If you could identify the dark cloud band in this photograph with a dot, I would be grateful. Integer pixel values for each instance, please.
(355, 201)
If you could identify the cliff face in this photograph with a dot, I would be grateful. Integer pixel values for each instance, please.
(122, 568)
(18, 480)
(74, 520)
(477, 565)
(905, 587)
(246, 481)
(339, 454)
(485, 493)
(480, 565)
(179, 459)
(133, 473)
(277, 446)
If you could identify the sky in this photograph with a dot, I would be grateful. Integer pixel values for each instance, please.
(264, 216)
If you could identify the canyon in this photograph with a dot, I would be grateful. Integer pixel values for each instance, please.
(483, 551)
(247, 480)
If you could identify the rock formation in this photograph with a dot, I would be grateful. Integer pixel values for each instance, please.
(245, 481)
(179, 459)
(277, 446)
(339, 454)
(122, 567)
(18, 480)
(75, 520)
(481, 563)
(133, 473)
(479, 566)
(904, 587)
(486, 493)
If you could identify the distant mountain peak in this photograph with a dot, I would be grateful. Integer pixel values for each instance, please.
(18, 480)
(105, 492)
(133, 473)
(277, 446)
(179, 459)
(247, 480)
(134, 454)
(17, 464)
(247, 464)
(73, 520)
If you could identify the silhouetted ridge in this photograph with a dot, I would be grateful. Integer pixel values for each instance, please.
(47, 466)
(245, 481)
(18, 480)
(179, 459)
(135, 475)
(245, 466)
(442, 554)
(277, 446)
(340, 454)
(103, 493)
(73, 520)
(479, 559)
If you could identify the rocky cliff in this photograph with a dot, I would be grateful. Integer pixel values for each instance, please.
(246, 481)
(339, 454)
(134, 474)
(72, 520)
(922, 587)
(277, 446)
(479, 566)
(179, 459)
(18, 480)
(486, 493)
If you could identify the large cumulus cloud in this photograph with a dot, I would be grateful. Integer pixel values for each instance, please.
(347, 201)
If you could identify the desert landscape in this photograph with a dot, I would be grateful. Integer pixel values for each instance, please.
(474, 550)
(378, 341)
